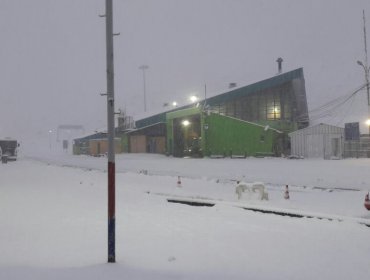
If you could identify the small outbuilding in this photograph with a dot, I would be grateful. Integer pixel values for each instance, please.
(318, 141)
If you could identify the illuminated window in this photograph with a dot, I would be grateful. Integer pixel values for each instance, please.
(273, 108)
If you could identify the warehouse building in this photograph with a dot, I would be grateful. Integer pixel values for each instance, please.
(278, 102)
(149, 139)
(250, 120)
(95, 144)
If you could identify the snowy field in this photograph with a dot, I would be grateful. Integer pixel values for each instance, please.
(53, 219)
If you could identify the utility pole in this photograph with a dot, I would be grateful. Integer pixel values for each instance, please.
(144, 67)
(111, 132)
(366, 67)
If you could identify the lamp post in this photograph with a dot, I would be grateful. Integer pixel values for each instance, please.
(144, 67)
(193, 98)
(366, 68)
(50, 132)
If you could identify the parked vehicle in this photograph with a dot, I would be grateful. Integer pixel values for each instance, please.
(194, 149)
(8, 149)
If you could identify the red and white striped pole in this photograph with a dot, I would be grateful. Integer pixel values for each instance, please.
(111, 134)
(286, 193)
(367, 202)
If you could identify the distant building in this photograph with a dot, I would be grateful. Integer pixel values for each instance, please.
(150, 139)
(95, 145)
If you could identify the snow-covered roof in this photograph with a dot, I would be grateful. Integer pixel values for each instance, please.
(321, 127)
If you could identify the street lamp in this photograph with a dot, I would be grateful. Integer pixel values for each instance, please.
(50, 132)
(185, 123)
(144, 67)
(366, 70)
(173, 104)
(193, 98)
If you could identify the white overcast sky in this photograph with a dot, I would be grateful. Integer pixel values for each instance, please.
(52, 54)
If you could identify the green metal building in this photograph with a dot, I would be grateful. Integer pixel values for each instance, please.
(197, 133)
(251, 117)
(279, 101)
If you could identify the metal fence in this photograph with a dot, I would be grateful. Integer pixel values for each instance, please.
(357, 148)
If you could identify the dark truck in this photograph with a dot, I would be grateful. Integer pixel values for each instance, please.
(8, 149)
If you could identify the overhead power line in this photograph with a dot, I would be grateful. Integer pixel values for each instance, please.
(332, 108)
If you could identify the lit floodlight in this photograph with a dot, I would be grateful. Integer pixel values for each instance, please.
(185, 122)
(368, 122)
(193, 98)
(174, 104)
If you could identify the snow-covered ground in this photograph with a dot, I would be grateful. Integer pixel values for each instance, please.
(53, 219)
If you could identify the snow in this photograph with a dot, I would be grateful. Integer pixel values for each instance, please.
(53, 219)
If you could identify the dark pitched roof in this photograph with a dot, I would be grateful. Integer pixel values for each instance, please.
(232, 94)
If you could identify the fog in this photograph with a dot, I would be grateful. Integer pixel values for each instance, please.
(52, 55)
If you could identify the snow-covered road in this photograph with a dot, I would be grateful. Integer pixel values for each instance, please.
(347, 173)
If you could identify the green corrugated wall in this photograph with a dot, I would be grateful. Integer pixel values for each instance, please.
(229, 136)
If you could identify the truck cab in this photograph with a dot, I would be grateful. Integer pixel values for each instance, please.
(8, 148)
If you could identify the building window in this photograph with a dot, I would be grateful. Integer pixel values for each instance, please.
(273, 107)
(262, 112)
(286, 104)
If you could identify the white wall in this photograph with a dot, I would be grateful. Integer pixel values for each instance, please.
(317, 141)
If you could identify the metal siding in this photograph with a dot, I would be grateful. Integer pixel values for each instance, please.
(236, 137)
(316, 141)
(315, 146)
(298, 144)
(138, 144)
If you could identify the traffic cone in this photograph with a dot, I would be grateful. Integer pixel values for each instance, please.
(286, 193)
(367, 202)
(179, 182)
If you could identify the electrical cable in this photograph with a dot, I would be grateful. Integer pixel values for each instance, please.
(330, 108)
